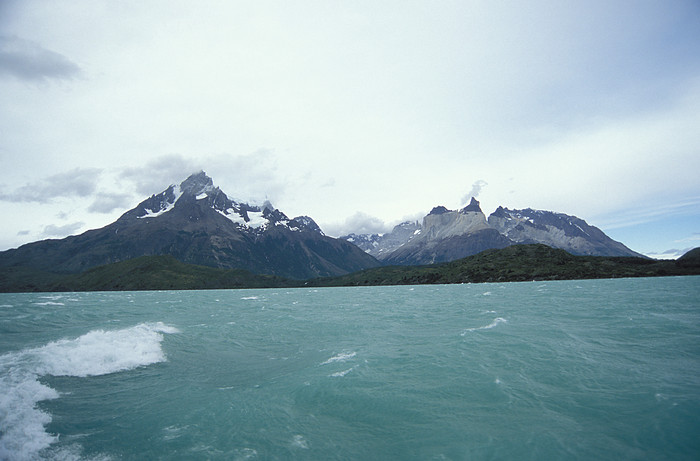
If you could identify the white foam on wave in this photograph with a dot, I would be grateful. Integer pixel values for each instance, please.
(249, 297)
(343, 356)
(493, 324)
(340, 374)
(99, 352)
(49, 303)
(299, 442)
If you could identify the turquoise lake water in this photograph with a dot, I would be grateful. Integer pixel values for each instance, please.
(598, 369)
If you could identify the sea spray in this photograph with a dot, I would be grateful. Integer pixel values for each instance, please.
(98, 352)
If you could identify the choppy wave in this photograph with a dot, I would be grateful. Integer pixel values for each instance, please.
(343, 356)
(99, 352)
(493, 324)
(340, 374)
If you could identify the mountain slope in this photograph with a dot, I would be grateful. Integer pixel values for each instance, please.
(557, 230)
(197, 223)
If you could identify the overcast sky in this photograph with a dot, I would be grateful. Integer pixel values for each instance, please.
(359, 114)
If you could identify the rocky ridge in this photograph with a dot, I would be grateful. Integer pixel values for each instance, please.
(445, 235)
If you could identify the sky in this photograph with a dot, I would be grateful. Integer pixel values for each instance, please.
(359, 114)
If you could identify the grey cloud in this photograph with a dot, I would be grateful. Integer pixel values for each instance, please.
(23, 232)
(27, 60)
(250, 177)
(61, 231)
(75, 183)
(106, 202)
(474, 191)
(159, 173)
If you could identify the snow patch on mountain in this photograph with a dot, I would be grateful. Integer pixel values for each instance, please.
(165, 204)
(256, 219)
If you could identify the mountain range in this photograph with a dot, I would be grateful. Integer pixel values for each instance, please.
(445, 235)
(197, 223)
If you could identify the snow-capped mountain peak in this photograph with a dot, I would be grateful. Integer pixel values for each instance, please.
(198, 192)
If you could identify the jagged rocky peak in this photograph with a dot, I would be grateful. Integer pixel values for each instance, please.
(306, 223)
(439, 210)
(197, 184)
(472, 207)
(500, 213)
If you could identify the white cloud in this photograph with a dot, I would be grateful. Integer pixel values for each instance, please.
(474, 191)
(358, 223)
(53, 230)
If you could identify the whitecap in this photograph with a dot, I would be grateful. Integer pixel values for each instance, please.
(340, 374)
(98, 352)
(343, 356)
(49, 303)
(249, 297)
(173, 432)
(101, 352)
(493, 324)
(245, 453)
(299, 442)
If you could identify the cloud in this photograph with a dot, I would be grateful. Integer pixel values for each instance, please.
(693, 238)
(27, 60)
(107, 202)
(251, 178)
(23, 232)
(61, 231)
(474, 191)
(359, 223)
(673, 253)
(157, 174)
(78, 182)
(645, 213)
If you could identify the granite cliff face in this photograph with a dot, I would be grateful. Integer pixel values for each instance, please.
(445, 235)
(197, 223)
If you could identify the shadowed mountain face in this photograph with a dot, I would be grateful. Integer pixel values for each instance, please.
(197, 223)
(446, 235)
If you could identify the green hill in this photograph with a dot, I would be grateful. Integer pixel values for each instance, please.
(160, 273)
(512, 264)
